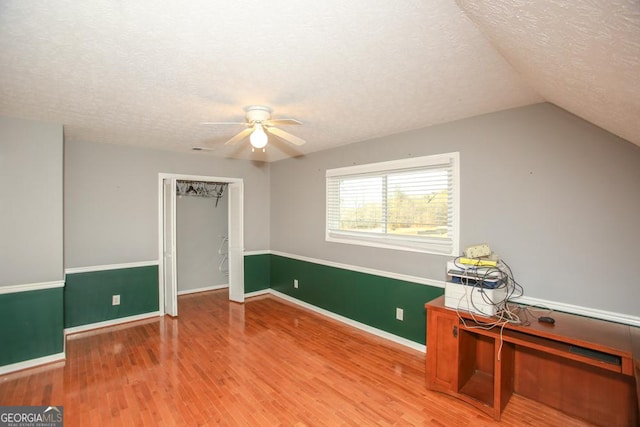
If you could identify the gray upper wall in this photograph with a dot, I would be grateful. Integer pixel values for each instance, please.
(557, 197)
(30, 202)
(111, 200)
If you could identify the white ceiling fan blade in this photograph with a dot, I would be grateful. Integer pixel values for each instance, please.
(286, 136)
(282, 122)
(239, 136)
(224, 123)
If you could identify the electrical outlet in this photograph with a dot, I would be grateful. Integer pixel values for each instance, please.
(295, 283)
(399, 314)
(115, 300)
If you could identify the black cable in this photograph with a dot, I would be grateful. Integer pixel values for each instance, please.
(503, 277)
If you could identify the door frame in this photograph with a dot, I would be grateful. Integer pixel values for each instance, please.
(235, 230)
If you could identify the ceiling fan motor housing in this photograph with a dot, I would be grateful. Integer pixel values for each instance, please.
(257, 113)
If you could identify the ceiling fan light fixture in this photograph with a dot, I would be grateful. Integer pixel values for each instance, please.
(258, 137)
(257, 123)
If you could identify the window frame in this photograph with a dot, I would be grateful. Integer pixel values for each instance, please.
(399, 242)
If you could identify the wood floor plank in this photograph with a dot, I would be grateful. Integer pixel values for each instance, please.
(266, 362)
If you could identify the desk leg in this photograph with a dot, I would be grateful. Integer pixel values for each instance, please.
(503, 376)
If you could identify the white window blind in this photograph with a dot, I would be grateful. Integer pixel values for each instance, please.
(409, 204)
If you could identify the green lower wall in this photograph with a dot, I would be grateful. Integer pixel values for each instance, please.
(366, 298)
(87, 296)
(33, 322)
(257, 272)
(31, 325)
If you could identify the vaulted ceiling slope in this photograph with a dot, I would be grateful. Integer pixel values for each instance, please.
(582, 55)
(148, 72)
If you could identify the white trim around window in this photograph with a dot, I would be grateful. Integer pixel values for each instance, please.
(363, 204)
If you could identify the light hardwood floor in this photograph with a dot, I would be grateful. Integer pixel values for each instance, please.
(263, 363)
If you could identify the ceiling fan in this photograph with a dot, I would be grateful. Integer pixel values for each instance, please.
(258, 120)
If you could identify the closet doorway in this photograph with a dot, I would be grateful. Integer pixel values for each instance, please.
(229, 243)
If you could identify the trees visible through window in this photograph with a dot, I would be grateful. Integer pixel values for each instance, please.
(407, 204)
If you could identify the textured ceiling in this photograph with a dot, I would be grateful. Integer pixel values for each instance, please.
(146, 73)
(582, 55)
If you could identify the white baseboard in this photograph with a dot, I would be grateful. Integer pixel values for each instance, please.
(32, 363)
(204, 289)
(363, 327)
(112, 322)
(257, 293)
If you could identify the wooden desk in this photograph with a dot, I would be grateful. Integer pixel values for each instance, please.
(582, 366)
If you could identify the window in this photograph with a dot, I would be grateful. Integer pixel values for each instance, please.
(410, 204)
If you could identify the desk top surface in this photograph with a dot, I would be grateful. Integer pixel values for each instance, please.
(584, 331)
